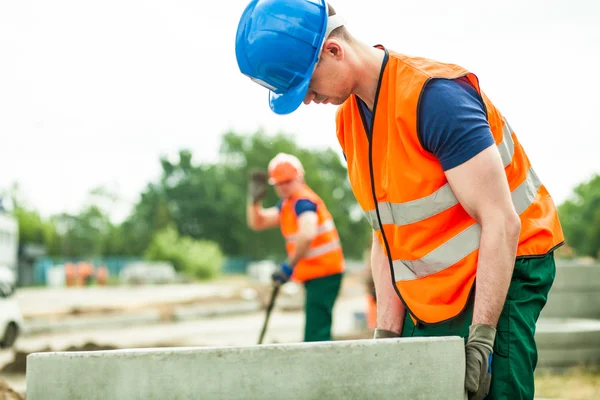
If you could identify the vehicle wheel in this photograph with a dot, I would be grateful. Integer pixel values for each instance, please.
(10, 335)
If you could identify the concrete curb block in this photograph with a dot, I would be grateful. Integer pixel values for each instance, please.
(575, 293)
(413, 368)
(568, 342)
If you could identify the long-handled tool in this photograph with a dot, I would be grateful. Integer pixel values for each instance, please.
(269, 308)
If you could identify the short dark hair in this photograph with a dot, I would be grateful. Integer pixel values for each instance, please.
(341, 31)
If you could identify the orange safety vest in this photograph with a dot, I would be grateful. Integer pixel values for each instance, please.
(431, 242)
(324, 256)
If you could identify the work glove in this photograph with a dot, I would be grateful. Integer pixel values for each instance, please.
(478, 351)
(283, 274)
(257, 185)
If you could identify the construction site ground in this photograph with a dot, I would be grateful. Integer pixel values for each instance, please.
(226, 312)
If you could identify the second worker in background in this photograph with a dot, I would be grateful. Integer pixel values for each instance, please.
(313, 246)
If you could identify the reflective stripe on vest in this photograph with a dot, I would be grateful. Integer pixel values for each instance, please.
(323, 249)
(466, 242)
(324, 227)
(400, 214)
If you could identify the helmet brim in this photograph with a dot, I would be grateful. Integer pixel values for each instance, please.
(289, 102)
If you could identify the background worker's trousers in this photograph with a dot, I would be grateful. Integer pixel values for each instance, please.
(515, 352)
(321, 294)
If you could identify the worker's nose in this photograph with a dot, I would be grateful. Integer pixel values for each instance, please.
(310, 95)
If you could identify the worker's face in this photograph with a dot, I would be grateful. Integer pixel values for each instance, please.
(330, 82)
(286, 189)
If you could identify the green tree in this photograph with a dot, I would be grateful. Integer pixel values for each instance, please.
(580, 218)
(325, 174)
(205, 201)
(150, 215)
(35, 230)
(85, 234)
(208, 201)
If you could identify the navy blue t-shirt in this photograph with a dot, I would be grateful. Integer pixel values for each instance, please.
(452, 121)
(302, 205)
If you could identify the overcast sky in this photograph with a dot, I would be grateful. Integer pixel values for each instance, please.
(93, 93)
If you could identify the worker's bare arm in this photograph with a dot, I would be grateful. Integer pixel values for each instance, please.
(307, 230)
(259, 218)
(481, 187)
(390, 310)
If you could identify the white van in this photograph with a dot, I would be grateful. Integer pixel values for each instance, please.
(11, 320)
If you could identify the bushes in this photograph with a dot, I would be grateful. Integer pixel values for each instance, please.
(202, 259)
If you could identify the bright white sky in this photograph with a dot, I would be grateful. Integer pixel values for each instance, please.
(93, 93)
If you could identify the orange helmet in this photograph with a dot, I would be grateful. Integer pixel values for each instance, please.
(284, 167)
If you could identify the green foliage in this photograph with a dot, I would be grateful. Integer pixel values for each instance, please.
(86, 234)
(202, 259)
(580, 218)
(149, 216)
(209, 200)
(199, 209)
(33, 229)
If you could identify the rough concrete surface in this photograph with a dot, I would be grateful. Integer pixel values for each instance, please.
(423, 368)
(575, 293)
(568, 342)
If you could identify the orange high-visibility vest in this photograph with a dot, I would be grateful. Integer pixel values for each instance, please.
(431, 241)
(324, 256)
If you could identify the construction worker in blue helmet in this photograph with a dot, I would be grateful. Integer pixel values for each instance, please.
(464, 230)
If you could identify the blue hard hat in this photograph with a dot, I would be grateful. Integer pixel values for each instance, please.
(278, 44)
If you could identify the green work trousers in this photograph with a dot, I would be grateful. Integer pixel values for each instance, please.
(515, 352)
(321, 294)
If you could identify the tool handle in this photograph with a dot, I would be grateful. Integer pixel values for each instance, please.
(268, 314)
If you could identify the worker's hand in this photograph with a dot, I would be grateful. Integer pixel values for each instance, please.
(478, 350)
(257, 185)
(283, 274)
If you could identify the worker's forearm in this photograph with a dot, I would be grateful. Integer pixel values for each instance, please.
(390, 310)
(302, 247)
(497, 252)
(253, 217)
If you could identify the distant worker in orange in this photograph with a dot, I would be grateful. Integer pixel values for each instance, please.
(70, 274)
(102, 275)
(313, 245)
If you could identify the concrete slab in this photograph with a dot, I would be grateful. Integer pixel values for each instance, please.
(575, 276)
(568, 342)
(412, 368)
(575, 293)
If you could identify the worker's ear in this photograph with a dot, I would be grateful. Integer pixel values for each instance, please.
(333, 48)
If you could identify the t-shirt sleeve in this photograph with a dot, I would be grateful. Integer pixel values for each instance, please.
(452, 121)
(304, 205)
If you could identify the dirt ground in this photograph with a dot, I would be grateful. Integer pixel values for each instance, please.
(573, 384)
(6, 393)
(19, 363)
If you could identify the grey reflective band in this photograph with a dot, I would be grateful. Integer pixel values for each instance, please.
(464, 243)
(507, 146)
(324, 227)
(323, 249)
(409, 212)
